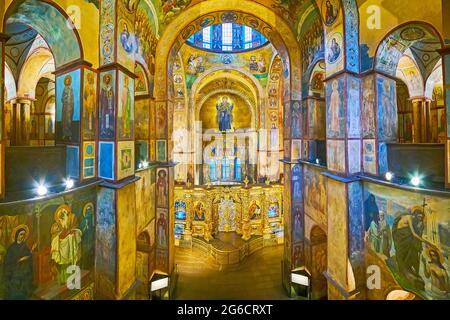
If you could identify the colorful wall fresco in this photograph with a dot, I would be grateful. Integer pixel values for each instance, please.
(68, 105)
(409, 232)
(35, 238)
(106, 243)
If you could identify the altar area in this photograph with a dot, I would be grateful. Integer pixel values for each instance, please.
(229, 222)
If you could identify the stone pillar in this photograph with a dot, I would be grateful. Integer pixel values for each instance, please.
(293, 188)
(379, 123)
(116, 134)
(3, 39)
(165, 242)
(20, 122)
(314, 130)
(445, 52)
(76, 118)
(345, 267)
(421, 125)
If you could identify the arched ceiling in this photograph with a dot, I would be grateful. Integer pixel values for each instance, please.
(421, 39)
(50, 23)
(39, 64)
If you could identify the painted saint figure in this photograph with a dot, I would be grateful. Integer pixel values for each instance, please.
(436, 272)
(88, 236)
(224, 116)
(407, 237)
(162, 230)
(161, 189)
(126, 108)
(330, 13)
(334, 109)
(335, 51)
(254, 211)
(18, 267)
(89, 105)
(66, 243)
(107, 107)
(68, 107)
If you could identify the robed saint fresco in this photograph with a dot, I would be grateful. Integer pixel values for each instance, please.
(224, 107)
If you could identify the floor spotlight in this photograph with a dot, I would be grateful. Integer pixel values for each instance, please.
(389, 176)
(42, 190)
(69, 183)
(416, 181)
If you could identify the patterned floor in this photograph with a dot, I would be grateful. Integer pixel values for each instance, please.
(258, 277)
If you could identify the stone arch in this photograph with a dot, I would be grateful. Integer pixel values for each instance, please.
(284, 39)
(63, 39)
(39, 63)
(417, 35)
(10, 84)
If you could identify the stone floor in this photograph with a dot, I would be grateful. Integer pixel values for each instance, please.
(256, 278)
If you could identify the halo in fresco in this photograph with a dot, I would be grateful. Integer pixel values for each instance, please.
(334, 48)
(330, 11)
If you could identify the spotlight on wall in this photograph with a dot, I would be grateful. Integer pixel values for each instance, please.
(69, 183)
(41, 190)
(389, 176)
(416, 181)
(317, 161)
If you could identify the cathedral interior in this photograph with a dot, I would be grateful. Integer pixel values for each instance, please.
(239, 149)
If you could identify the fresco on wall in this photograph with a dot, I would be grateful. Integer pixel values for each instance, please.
(34, 245)
(107, 31)
(68, 106)
(125, 112)
(369, 156)
(142, 119)
(89, 105)
(161, 151)
(106, 160)
(353, 107)
(88, 160)
(125, 151)
(162, 188)
(337, 230)
(387, 109)
(61, 39)
(335, 109)
(107, 104)
(161, 120)
(410, 232)
(368, 107)
(418, 38)
(315, 195)
(334, 53)
(73, 162)
(126, 238)
(336, 155)
(311, 41)
(106, 241)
